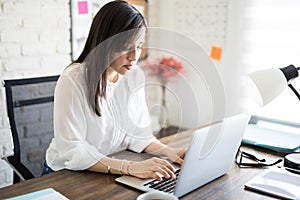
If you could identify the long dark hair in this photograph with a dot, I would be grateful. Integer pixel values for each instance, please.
(113, 18)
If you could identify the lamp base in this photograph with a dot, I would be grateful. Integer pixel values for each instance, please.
(292, 162)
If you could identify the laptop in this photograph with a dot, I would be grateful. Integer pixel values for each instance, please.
(210, 154)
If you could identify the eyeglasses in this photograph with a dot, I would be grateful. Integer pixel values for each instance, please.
(257, 162)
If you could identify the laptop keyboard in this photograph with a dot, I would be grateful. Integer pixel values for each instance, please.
(166, 185)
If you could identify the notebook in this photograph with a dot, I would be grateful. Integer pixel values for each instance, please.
(276, 140)
(48, 193)
(276, 182)
(210, 155)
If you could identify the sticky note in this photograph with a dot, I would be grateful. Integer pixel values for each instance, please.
(82, 7)
(216, 52)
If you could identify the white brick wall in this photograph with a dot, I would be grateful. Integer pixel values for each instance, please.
(34, 41)
(31, 34)
(6, 174)
(6, 149)
(6, 145)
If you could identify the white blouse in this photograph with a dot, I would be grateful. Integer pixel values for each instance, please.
(81, 138)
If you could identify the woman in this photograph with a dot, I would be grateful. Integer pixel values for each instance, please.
(99, 105)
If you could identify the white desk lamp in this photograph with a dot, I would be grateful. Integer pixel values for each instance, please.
(270, 83)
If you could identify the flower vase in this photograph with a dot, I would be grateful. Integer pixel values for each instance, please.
(163, 119)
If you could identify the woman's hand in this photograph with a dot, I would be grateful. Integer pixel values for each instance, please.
(150, 169)
(159, 149)
(175, 155)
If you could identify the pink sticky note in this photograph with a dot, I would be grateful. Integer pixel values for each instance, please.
(82, 7)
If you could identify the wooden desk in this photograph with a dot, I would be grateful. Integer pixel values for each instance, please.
(90, 185)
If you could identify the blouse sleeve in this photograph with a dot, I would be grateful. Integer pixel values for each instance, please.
(70, 126)
(138, 112)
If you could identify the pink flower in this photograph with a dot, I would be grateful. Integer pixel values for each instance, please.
(166, 68)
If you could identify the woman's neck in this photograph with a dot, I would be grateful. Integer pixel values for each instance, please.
(112, 75)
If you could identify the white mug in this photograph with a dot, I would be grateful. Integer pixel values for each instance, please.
(156, 195)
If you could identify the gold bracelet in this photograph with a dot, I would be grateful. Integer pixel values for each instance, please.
(121, 167)
(128, 168)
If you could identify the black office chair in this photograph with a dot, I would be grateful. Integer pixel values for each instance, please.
(30, 112)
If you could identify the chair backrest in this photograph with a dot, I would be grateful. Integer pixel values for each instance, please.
(30, 111)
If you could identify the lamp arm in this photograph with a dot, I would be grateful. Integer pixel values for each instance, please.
(294, 90)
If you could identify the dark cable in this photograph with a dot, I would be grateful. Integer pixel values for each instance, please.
(294, 90)
(298, 68)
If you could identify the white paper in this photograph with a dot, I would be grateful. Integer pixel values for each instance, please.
(49, 194)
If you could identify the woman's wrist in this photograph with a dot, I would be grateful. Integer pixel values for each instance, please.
(167, 151)
(110, 165)
(157, 148)
(128, 168)
(124, 167)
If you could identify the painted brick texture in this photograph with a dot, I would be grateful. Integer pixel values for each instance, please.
(34, 41)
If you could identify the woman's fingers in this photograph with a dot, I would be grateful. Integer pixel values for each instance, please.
(165, 163)
(154, 175)
(178, 155)
(170, 173)
(164, 168)
(153, 168)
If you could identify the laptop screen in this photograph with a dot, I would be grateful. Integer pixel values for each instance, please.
(211, 153)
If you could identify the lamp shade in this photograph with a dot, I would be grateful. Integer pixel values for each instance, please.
(269, 82)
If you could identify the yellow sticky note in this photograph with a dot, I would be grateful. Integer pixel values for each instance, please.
(216, 52)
